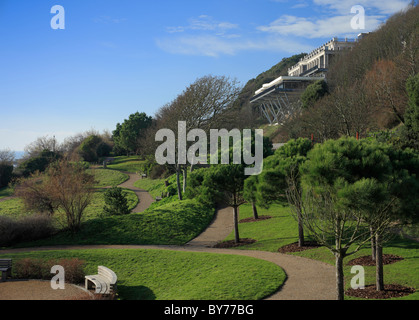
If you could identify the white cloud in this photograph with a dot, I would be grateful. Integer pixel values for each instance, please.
(204, 23)
(213, 46)
(339, 25)
(379, 6)
(336, 19)
(206, 36)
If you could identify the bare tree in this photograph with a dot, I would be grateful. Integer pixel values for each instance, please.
(387, 88)
(71, 188)
(41, 144)
(6, 157)
(65, 186)
(35, 193)
(206, 104)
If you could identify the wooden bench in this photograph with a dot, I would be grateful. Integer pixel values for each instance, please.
(159, 199)
(104, 281)
(5, 268)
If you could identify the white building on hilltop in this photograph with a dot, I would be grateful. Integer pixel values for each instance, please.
(279, 99)
(317, 62)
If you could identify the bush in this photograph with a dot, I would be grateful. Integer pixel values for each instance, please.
(116, 202)
(157, 172)
(6, 174)
(41, 269)
(28, 228)
(39, 163)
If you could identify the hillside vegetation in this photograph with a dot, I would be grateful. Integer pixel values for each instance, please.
(367, 85)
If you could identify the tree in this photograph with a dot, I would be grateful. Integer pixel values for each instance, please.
(127, 135)
(71, 188)
(205, 104)
(280, 179)
(314, 92)
(41, 144)
(93, 147)
(391, 196)
(116, 202)
(229, 181)
(36, 194)
(410, 133)
(6, 167)
(349, 186)
(383, 85)
(249, 193)
(39, 162)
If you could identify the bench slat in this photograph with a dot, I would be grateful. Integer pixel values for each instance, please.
(104, 281)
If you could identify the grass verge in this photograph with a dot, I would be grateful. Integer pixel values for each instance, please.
(281, 230)
(170, 275)
(127, 164)
(108, 178)
(174, 223)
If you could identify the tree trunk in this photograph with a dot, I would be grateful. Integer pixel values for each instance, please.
(179, 191)
(373, 246)
(340, 288)
(185, 175)
(255, 211)
(300, 229)
(236, 224)
(379, 264)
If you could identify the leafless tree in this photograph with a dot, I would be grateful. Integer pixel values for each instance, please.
(65, 186)
(206, 104)
(41, 144)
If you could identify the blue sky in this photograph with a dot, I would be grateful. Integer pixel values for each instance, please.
(116, 57)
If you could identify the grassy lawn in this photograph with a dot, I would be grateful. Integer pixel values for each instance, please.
(127, 164)
(96, 206)
(170, 275)
(6, 192)
(108, 178)
(281, 230)
(270, 234)
(16, 208)
(154, 187)
(173, 223)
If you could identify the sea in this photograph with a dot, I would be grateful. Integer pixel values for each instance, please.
(19, 154)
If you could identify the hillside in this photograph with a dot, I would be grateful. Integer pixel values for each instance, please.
(280, 69)
(367, 85)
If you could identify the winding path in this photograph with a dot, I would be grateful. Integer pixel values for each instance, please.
(145, 199)
(306, 279)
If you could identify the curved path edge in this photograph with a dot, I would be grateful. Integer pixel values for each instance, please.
(306, 279)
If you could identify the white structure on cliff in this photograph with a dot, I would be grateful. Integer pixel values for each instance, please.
(317, 62)
(280, 98)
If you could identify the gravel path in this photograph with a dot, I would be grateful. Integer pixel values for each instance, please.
(39, 290)
(306, 279)
(145, 198)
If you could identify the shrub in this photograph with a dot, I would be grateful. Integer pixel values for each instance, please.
(41, 269)
(28, 228)
(157, 172)
(116, 202)
(6, 174)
